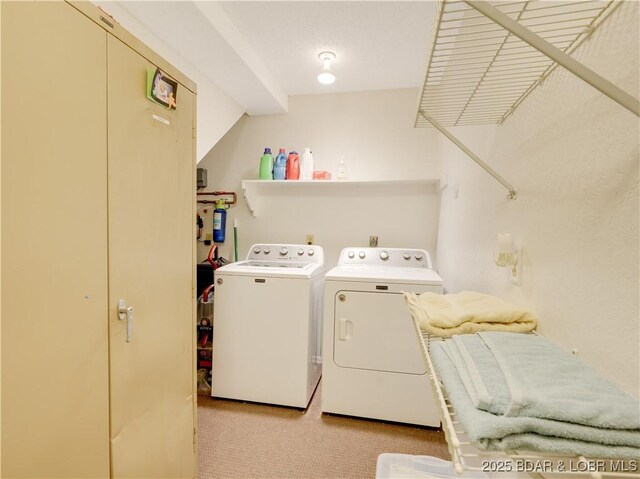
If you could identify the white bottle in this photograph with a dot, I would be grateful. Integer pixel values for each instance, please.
(306, 165)
(342, 169)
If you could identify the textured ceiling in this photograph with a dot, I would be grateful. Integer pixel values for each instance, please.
(260, 52)
(379, 45)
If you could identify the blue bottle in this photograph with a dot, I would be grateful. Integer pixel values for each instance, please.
(219, 221)
(280, 166)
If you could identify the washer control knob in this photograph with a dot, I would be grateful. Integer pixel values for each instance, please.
(256, 250)
(267, 251)
(283, 251)
(384, 256)
(351, 255)
(418, 256)
(361, 254)
(311, 252)
(300, 252)
(406, 256)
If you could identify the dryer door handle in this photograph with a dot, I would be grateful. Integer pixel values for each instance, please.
(346, 329)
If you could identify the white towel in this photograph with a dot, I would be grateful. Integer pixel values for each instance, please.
(467, 312)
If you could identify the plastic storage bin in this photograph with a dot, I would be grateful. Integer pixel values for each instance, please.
(406, 466)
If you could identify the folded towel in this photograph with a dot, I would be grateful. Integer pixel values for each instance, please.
(493, 432)
(467, 312)
(530, 376)
(480, 373)
(469, 371)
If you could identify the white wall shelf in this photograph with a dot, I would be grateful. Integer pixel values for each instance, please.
(255, 190)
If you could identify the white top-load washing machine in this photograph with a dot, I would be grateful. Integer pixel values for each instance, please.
(373, 366)
(268, 325)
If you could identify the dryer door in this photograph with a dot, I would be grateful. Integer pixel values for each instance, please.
(375, 331)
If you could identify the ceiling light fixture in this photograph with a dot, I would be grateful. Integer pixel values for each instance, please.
(326, 77)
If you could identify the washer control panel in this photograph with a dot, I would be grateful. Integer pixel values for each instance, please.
(391, 257)
(287, 252)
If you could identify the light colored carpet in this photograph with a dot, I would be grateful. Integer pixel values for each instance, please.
(247, 440)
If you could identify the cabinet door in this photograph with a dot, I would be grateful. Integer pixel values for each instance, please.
(151, 241)
(55, 411)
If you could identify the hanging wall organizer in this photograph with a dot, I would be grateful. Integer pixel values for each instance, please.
(486, 57)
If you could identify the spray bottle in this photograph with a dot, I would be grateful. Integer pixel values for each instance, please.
(219, 221)
(306, 165)
(342, 169)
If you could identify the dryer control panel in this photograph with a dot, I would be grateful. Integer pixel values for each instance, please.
(389, 257)
(300, 253)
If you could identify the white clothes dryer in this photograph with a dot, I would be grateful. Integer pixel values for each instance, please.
(268, 325)
(373, 366)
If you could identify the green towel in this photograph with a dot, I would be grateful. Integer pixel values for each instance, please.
(494, 432)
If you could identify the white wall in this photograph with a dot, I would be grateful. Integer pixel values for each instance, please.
(374, 130)
(216, 111)
(572, 154)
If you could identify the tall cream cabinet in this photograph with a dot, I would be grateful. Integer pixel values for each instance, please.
(97, 211)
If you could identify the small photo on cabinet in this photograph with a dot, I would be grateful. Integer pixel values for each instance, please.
(161, 88)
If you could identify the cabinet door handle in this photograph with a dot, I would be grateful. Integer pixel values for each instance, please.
(125, 313)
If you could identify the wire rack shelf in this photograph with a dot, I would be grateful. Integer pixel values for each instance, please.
(502, 464)
(479, 72)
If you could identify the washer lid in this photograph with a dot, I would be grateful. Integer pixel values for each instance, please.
(370, 274)
(271, 269)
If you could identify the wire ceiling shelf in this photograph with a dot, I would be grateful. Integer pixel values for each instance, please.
(479, 72)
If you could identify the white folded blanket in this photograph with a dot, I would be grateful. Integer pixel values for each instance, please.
(467, 312)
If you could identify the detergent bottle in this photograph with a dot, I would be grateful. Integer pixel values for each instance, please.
(220, 221)
(293, 166)
(280, 166)
(266, 165)
(306, 165)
